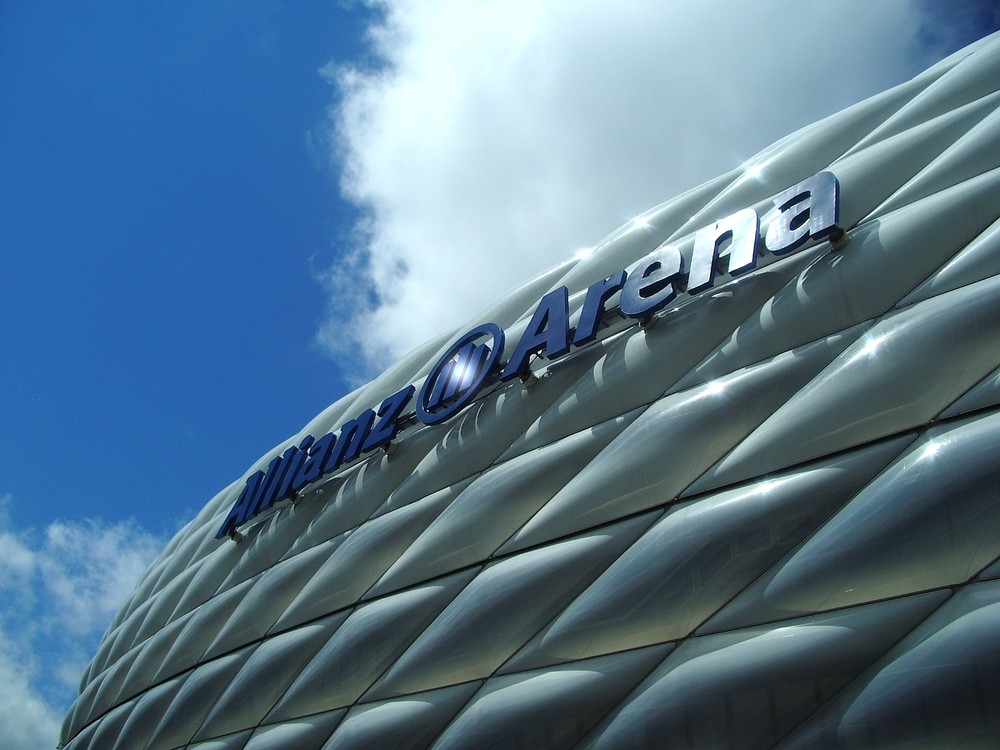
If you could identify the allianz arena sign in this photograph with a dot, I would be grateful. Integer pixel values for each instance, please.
(474, 363)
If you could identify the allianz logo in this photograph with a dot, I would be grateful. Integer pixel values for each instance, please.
(473, 364)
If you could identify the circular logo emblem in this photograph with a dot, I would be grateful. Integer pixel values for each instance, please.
(456, 378)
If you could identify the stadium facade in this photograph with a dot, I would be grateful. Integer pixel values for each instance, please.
(729, 481)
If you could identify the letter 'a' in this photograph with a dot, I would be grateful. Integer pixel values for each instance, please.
(809, 210)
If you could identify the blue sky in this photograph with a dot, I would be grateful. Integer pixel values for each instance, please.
(165, 193)
(217, 217)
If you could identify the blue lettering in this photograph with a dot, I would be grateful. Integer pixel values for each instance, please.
(593, 307)
(349, 441)
(742, 229)
(312, 467)
(241, 508)
(388, 425)
(547, 332)
(648, 288)
(808, 210)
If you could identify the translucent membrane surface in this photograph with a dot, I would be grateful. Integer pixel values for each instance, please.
(768, 517)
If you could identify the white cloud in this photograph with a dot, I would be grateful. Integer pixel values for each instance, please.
(496, 138)
(89, 568)
(27, 721)
(59, 589)
(17, 562)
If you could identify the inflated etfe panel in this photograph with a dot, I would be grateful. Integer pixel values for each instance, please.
(731, 480)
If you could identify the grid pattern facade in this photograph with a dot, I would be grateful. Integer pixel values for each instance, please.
(772, 519)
